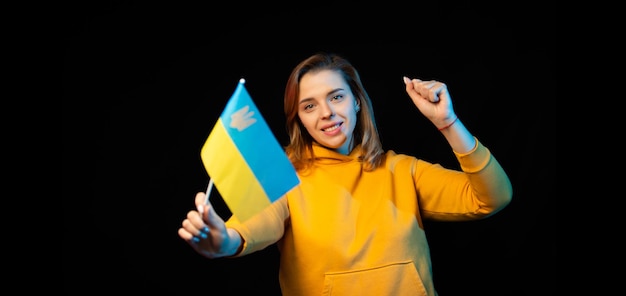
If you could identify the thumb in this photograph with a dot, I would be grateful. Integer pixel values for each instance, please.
(211, 217)
(206, 210)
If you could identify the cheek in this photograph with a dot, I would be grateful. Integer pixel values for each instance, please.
(354, 118)
(307, 120)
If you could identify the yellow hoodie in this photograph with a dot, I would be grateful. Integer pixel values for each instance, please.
(345, 231)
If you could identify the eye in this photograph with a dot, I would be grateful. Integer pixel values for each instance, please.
(336, 98)
(308, 107)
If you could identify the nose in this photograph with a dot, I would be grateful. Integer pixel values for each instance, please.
(327, 111)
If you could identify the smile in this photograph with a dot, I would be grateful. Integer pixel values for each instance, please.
(332, 128)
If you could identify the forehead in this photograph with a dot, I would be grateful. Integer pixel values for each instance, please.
(320, 83)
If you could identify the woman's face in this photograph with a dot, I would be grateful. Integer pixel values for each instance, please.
(327, 109)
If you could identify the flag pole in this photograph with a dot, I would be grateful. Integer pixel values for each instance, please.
(208, 191)
(210, 187)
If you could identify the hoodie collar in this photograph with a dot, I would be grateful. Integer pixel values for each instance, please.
(328, 156)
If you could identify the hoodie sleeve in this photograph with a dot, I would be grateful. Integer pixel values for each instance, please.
(263, 229)
(480, 190)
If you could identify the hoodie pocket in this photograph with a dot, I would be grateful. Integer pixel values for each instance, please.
(400, 278)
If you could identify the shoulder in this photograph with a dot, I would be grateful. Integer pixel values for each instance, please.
(393, 160)
(391, 154)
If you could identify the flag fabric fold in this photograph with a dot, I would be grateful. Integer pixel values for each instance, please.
(244, 160)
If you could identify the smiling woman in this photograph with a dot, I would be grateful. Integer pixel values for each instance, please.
(146, 81)
(354, 224)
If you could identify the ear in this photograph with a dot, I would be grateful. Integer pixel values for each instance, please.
(357, 105)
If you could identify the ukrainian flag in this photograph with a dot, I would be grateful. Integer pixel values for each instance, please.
(244, 160)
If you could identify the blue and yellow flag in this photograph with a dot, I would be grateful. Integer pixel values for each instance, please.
(244, 160)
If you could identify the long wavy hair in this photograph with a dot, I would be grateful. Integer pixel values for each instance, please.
(300, 147)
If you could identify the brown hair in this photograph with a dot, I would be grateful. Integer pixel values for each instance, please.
(365, 133)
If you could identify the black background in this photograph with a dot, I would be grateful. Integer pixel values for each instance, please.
(144, 82)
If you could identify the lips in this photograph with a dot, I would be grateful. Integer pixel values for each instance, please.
(332, 127)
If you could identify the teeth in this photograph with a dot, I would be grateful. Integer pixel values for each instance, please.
(332, 128)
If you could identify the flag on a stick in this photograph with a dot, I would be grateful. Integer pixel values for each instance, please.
(244, 160)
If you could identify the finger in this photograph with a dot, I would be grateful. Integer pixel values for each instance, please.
(440, 91)
(413, 81)
(200, 198)
(194, 224)
(433, 94)
(193, 232)
(411, 87)
(201, 201)
(185, 235)
(407, 81)
(425, 89)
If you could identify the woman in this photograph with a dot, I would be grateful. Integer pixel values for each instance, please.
(353, 226)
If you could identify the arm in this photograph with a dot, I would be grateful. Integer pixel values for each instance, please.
(488, 187)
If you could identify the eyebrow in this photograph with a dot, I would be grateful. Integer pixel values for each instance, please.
(305, 100)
